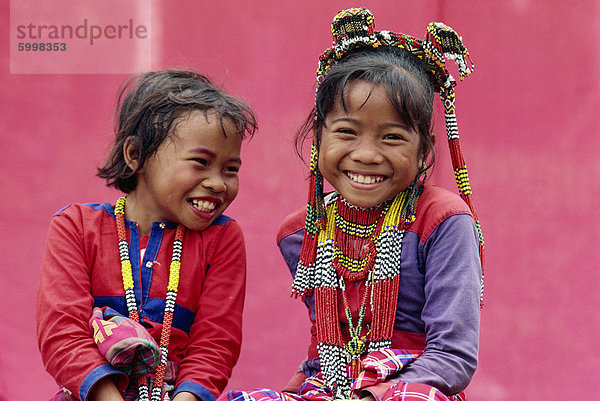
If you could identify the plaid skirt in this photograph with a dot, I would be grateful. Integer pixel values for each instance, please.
(378, 367)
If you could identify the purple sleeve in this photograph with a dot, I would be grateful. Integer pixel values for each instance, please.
(451, 310)
(290, 247)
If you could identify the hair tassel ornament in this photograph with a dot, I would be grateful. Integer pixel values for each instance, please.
(441, 43)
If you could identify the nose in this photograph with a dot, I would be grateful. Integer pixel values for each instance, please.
(367, 152)
(215, 183)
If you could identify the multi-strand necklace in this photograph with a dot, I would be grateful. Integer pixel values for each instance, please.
(356, 244)
(174, 269)
(354, 233)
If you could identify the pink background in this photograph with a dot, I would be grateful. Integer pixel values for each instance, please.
(528, 126)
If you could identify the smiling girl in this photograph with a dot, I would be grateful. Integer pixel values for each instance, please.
(144, 297)
(388, 265)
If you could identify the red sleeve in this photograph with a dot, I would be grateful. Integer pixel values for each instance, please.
(64, 307)
(216, 334)
(293, 223)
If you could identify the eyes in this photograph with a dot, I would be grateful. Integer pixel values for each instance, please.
(231, 168)
(200, 161)
(395, 137)
(397, 134)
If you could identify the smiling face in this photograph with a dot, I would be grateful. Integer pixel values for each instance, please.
(368, 154)
(193, 176)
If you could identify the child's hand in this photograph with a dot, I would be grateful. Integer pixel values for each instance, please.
(105, 390)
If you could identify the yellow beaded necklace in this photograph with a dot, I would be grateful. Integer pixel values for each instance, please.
(132, 308)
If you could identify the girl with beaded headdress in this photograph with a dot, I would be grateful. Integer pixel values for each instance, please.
(389, 266)
(142, 299)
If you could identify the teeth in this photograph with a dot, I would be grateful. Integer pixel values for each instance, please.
(365, 179)
(204, 206)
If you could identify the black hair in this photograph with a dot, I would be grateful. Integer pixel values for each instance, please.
(405, 79)
(149, 107)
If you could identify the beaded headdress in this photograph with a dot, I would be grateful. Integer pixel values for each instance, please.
(353, 29)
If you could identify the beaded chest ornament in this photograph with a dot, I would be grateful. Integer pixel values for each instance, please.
(326, 259)
(159, 376)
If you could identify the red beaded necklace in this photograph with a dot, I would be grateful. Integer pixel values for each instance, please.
(354, 239)
(369, 244)
(171, 297)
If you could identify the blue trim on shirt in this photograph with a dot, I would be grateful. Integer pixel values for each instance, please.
(153, 309)
(197, 389)
(221, 220)
(115, 302)
(152, 247)
(61, 210)
(107, 207)
(94, 376)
